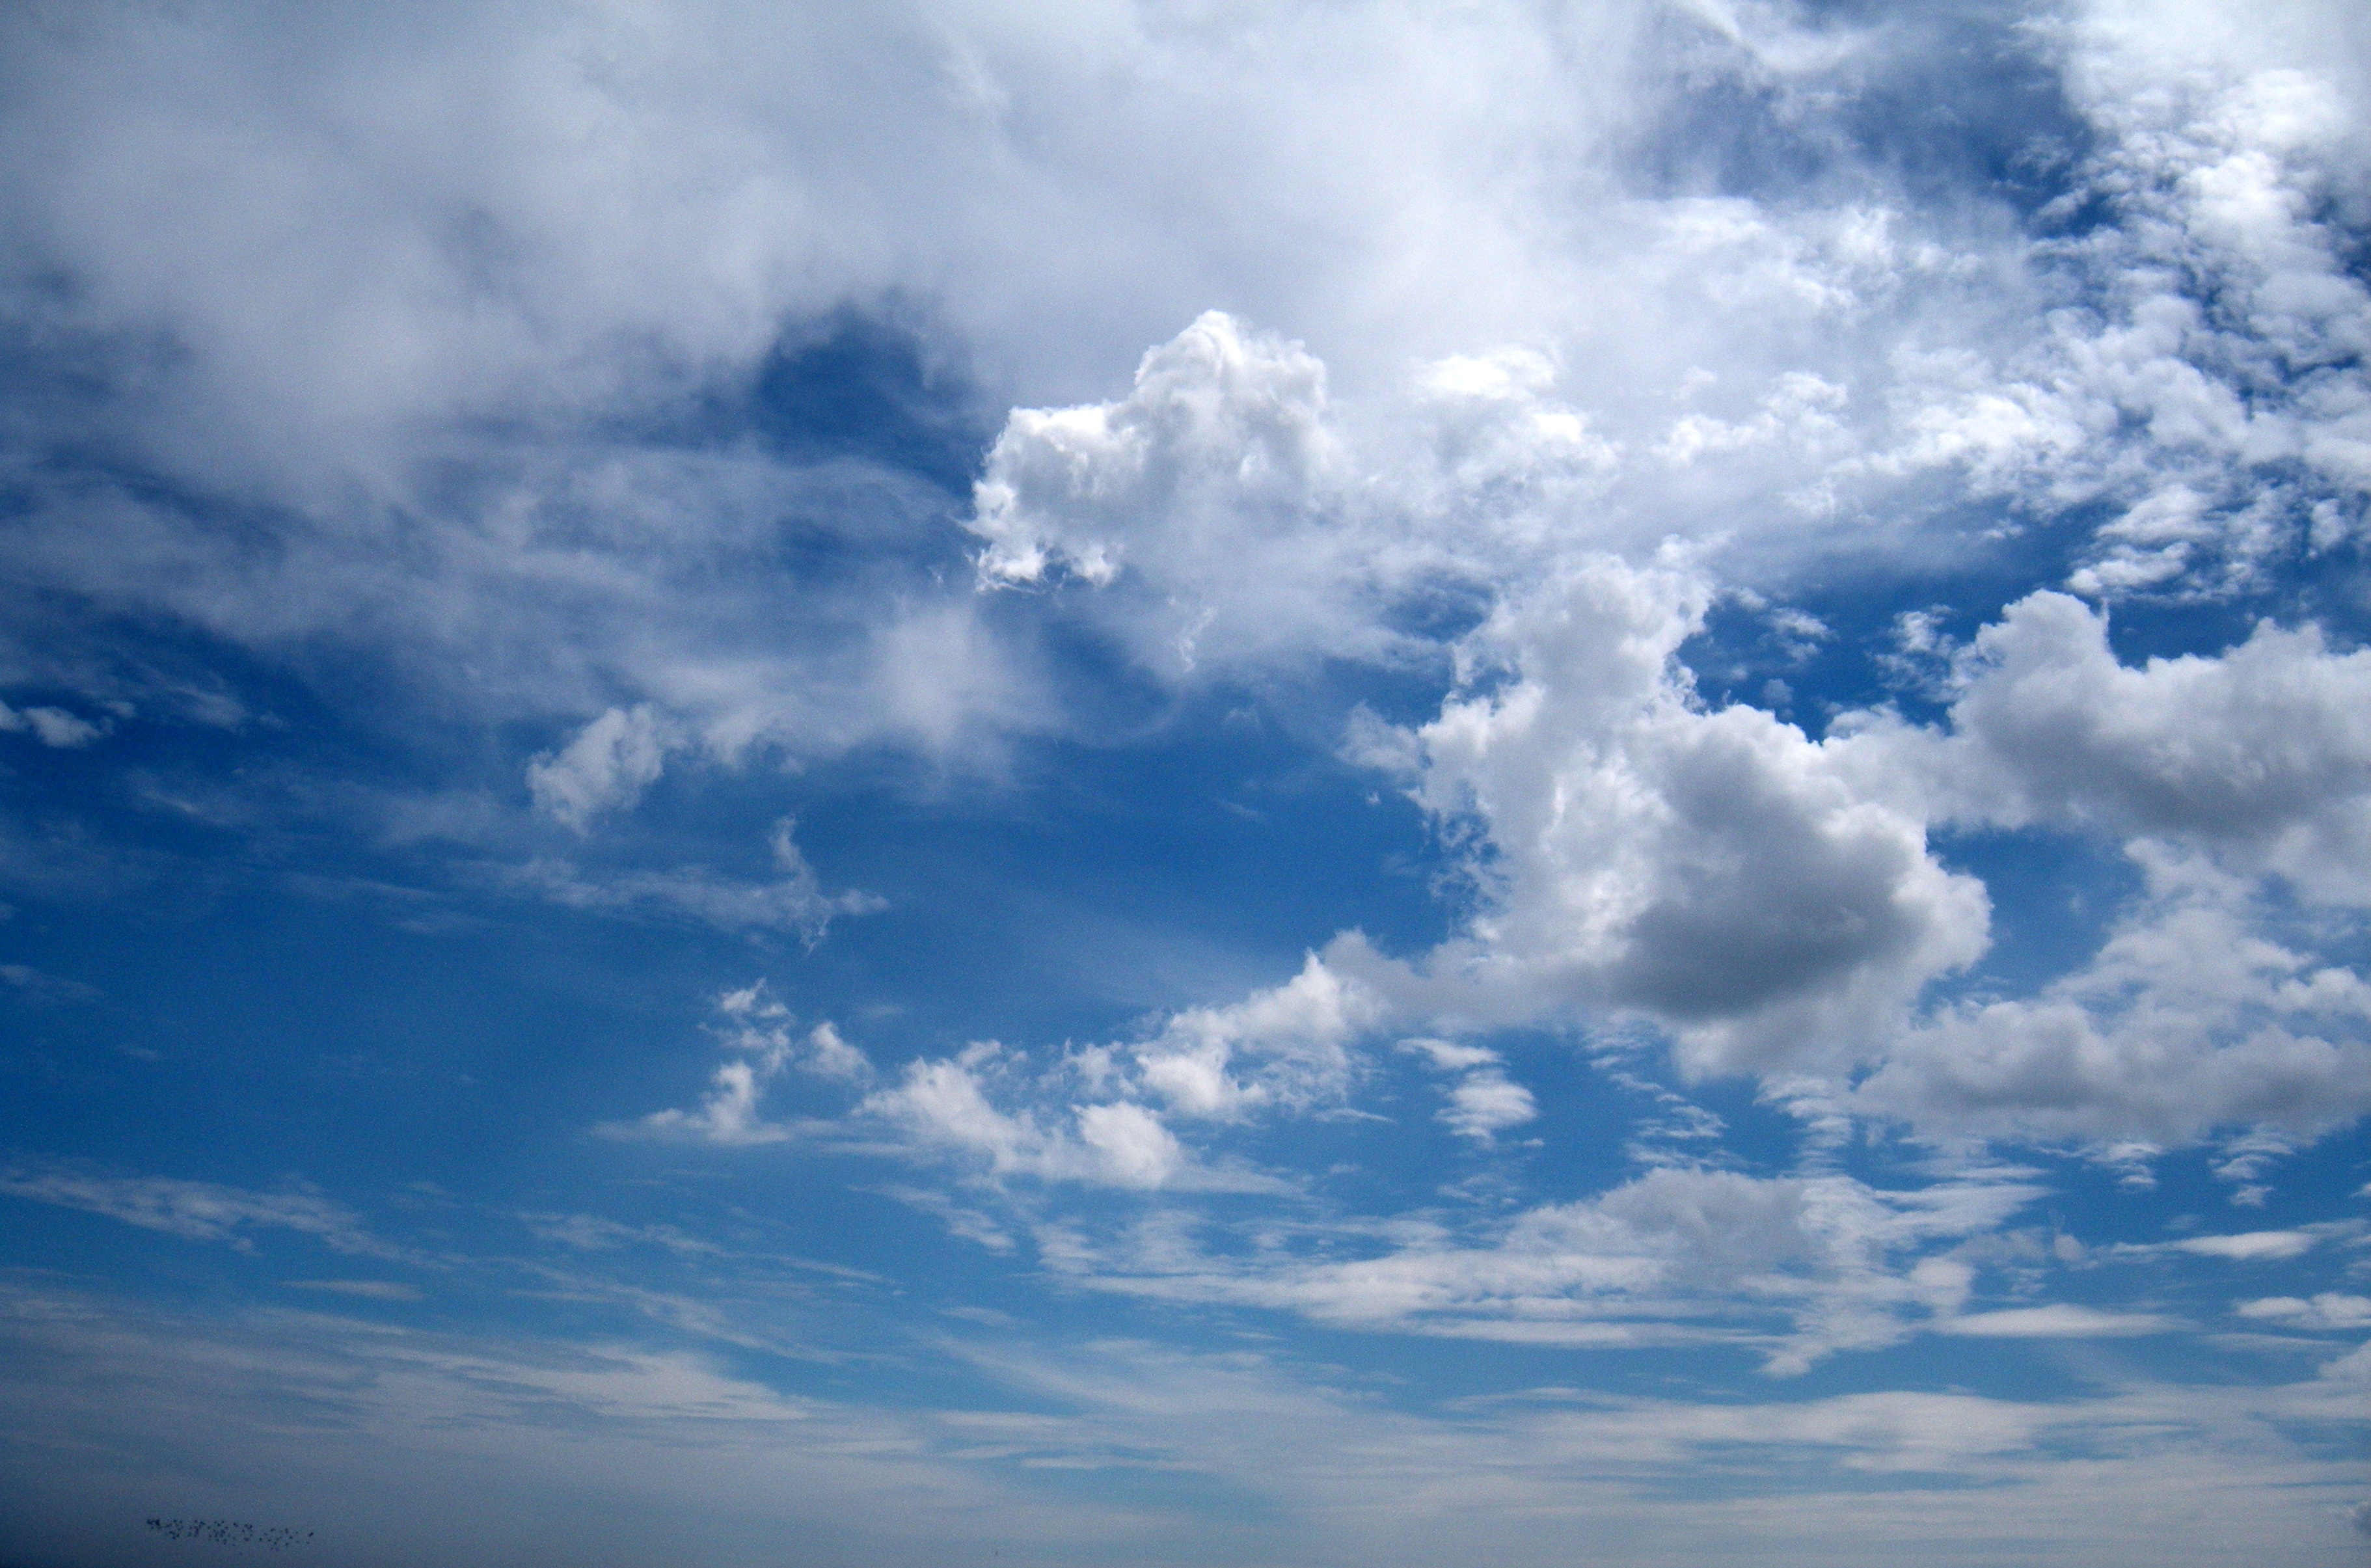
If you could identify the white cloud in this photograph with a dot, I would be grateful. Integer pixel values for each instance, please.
(196, 1211)
(2058, 1321)
(608, 765)
(1715, 870)
(52, 726)
(1484, 1102)
(765, 1040)
(2184, 1020)
(797, 903)
(943, 1107)
(2248, 1247)
(1771, 900)
(2327, 1310)
(2260, 755)
(1797, 1267)
(1288, 1047)
(500, 1427)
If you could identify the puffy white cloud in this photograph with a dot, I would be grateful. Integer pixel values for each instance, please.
(1288, 1046)
(2235, 781)
(943, 1106)
(2261, 754)
(1235, 515)
(2200, 376)
(1714, 869)
(765, 1040)
(2185, 1021)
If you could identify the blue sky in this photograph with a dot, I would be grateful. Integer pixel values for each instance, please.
(1189, 784)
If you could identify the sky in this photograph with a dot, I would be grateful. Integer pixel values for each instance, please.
(1185, 783)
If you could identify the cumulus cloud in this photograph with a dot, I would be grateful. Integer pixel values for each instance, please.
(765, 1041)
(1771, 899)
(1714, 869)
(1235, 515)
(2186, 1020)
(948, 1108)
(2261, 754)
(1288, 1046)
(943, 1104)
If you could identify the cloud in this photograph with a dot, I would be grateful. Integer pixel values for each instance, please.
(2057, 1321)
(1483, 1101)
(510, 1430)
(942, 1108)
(34, 986)
(607, 766)
(1798, 1267)
(2248, 1247)
(2260, 755)
(195, 1211)
(1771, 899)
(766, 1041)
(52, 726)
(2186, 1019)
(2327, 1310)
(796, 904)
(1286, 1047)
(361, 1289)
(1712, 868)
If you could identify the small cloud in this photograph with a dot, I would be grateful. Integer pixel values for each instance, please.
(366, 1290)
(1485, 1101)
(54, 726)
(796, 904)
(591, 1233)
(36, 986)
(2252, 1246)
(2057, 1321)
(196, 1211)
(607, 766)
(2326, 1310)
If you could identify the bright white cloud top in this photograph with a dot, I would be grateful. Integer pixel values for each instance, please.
(1187, 783)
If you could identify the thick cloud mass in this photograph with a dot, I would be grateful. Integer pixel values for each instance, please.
(1709, 867)
(2260, 754)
